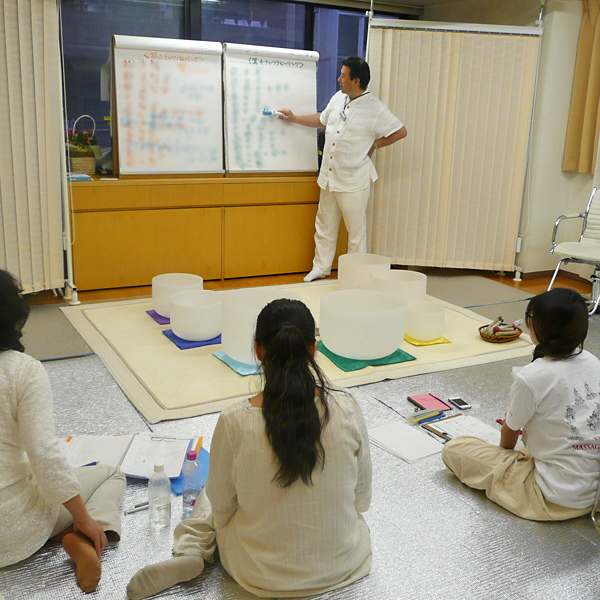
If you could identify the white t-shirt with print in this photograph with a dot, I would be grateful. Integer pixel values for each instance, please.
(349, 135)
(557, 405)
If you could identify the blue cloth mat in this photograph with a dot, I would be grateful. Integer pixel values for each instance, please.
(158, 318)
(240, 368)
(185, 344)
(177, 482)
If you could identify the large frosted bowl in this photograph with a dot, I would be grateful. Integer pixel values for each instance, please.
(166, 285)
(196, 315)
(425, 320)
(354, 270)
(410, 285)
(240, 310)
(362, 324)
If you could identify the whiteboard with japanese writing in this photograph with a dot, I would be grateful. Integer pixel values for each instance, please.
(169, 105)
(259, 78)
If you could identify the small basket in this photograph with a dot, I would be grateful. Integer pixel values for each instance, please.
(83, 164)
(83, 161)
(499, 339)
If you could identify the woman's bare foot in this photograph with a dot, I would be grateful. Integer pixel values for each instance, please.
(87, 563)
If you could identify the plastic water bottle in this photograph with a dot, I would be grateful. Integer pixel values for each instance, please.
(159, 497)
(192, 472)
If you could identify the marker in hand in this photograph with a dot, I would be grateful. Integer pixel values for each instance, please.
(272, 113)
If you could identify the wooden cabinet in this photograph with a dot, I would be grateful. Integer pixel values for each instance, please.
(126, 232)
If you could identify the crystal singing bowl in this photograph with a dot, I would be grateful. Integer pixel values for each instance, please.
(164, 286)
(410, 285)
(425, 320)
(354, 270)
(196, 315)
(362, 324)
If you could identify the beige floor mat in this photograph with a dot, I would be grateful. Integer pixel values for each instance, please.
(164, 382)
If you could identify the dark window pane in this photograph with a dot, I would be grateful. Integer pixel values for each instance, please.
(88, 27)
(255, 22)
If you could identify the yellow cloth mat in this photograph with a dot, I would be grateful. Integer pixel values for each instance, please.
(163, 382)
(440, 340)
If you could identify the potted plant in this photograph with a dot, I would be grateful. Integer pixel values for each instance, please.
(82, 148)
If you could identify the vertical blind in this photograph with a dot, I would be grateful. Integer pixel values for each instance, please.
(449, 194)
(31, 143)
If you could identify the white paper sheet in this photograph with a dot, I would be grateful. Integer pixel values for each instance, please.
(406, 442)
(82, 450)
(147, 449)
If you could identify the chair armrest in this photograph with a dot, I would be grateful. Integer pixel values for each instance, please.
(559, 221)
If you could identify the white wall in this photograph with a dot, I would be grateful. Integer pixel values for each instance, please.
(550, 192)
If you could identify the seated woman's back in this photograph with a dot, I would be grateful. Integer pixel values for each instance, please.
(301, 537)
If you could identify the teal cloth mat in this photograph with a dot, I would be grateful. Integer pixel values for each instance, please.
(240, 368)
(351, 364)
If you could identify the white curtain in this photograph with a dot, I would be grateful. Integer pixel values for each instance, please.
(449, 194)
(31, 144)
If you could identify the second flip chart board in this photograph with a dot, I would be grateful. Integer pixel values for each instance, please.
(259, 78)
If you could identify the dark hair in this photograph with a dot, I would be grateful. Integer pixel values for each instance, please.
(559, 319)
(285, 330)
(359, 68)
(13, 312)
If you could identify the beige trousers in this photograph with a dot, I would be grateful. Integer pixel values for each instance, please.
(101, 489)
(332, 207)
(196, 536)
(507, 476)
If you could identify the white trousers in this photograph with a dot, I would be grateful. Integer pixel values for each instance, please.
(332, 207)
(101, 489)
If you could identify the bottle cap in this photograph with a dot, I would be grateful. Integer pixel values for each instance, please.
(192, 455)
(159, 468)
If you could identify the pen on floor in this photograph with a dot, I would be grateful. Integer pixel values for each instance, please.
(134, 510)
(92, 464)
(434, 418)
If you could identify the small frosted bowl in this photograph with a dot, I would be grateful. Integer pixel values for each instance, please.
(354, 270)
(196, 315)
(240, 311)
(362, 324)
(410, 285)
(425, 320)
(166, 285)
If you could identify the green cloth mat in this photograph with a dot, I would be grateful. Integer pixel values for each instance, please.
(352, 364)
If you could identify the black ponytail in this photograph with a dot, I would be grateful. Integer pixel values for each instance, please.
(559, 319)
(285, 330)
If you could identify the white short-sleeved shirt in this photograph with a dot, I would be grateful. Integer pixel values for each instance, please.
(35, 477)
(300, 540)
(346, 166)
(557, 405)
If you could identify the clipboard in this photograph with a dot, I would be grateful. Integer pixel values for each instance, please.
(460, 424)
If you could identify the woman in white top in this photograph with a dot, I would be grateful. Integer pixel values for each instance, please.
(290, 476)
(555, 401)
(41, 497)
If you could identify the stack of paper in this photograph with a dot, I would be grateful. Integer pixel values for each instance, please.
(406, 442)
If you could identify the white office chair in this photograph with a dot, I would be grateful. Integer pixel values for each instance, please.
(585, 251)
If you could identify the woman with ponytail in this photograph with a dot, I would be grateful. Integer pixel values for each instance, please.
(555, 401)
(290, 476)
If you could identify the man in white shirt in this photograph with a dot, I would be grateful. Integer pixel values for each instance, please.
(356, 124)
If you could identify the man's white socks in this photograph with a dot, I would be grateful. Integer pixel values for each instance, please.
(158, 577)
(314, 274)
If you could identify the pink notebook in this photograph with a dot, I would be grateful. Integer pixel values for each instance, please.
(429, 402)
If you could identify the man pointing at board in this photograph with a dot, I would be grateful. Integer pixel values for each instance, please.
(356, 124)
